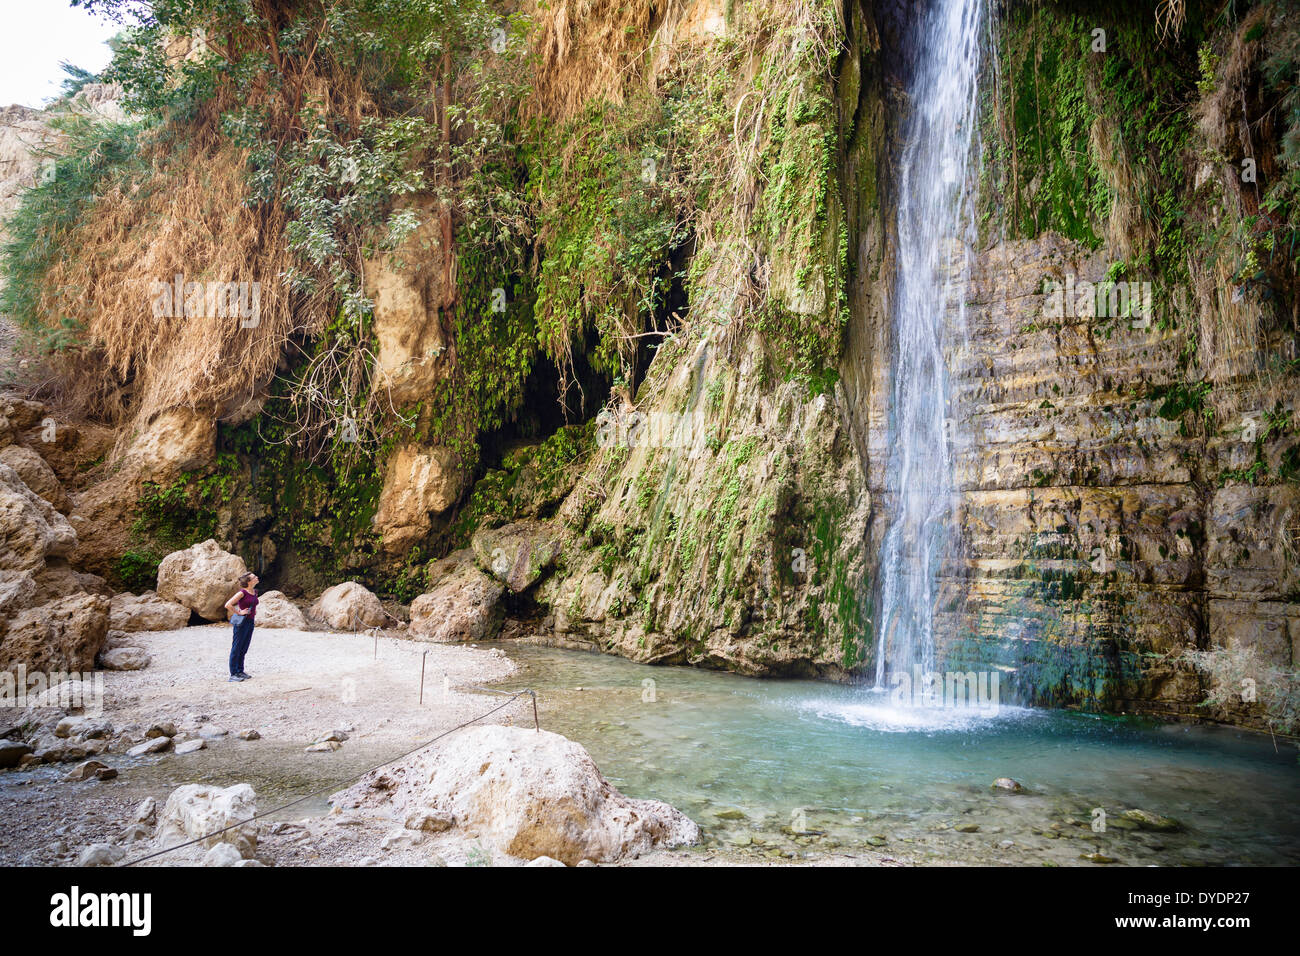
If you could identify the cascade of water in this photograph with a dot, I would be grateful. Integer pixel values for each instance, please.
(938, 137)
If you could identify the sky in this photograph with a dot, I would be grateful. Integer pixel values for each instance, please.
(34, 36)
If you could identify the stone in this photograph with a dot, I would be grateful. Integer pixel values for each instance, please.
(83, 771)
(967, 828)
(212, 732)
(124, 659)
(31, 529)
(223, 854)
(91, 729)
(161, 729)
(101, 854)
(324, 747)
(64, 635)
(1006, 783)
(546, 861)
(348, 607)
(528, 793)
(134, 833)
(17, 591)
(196, 810)
(276, 610)
(104, 774)
(190, 746)
(731, 815)
(249, 735)
(464, 605)
(202, 578)
(68, 727)
(155, 746)
(147, 811)
(12, 753)
(401, 840)
(1097, 858)
(1151, 821)
(338, 735)
(147, 612)
(517, 554)
(430, 821)
(36, 474)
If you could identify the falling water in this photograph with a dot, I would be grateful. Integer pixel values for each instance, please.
(938, 140)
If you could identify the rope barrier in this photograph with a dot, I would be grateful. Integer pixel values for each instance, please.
(335, 786)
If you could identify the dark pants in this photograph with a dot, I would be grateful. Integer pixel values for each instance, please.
(243, 636)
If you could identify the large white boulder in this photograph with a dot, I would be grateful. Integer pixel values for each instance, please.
(348, 606)
(147, 612)
(276, 610)
(196, 810)
(202, 578)
(530, 793)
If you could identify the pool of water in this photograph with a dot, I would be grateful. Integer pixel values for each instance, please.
(802, 768)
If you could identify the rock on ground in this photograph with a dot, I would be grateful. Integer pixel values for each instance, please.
(202, 578)
(348, 606)
(464, 605)
(195, 810)
(147, 612)
(124, 659)
(276, 610)
(530, 793)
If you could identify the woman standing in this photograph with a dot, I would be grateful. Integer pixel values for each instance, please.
(243, 608)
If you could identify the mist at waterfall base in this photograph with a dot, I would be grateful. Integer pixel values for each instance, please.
(926, 316)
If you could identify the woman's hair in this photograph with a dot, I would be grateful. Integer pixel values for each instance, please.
(245, 578)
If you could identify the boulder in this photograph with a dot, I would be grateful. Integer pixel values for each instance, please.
(12, 753)
(84, 771)
(464, 605)
(517, 554)
(31, 530)
(148, 612)
(195, 810)
(528, 793)
(65, 634)
(124, 659)
(276, 610)
(348, 606)
(419, 483)
(17, 591)
(155, 746)
(36, 474)
(101, 854)
(202, 578)
(223, 854)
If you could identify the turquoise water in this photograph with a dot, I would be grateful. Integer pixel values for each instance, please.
(771, 760)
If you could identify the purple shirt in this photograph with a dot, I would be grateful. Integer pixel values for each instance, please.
(247, 602)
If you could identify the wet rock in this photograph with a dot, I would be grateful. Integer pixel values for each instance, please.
(517, 554)
(529, 793)
(83, 771)
(201, 578)
(347, 607)
(196, 810)
(147, 612)
(967, 828)
(124, 659)
(101, 854)
(1097, 858)
(731, 815)
(190, 746)
(104, 774)
(1151, 821)
(1006, 783)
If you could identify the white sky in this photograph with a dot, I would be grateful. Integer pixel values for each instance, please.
(34, 36)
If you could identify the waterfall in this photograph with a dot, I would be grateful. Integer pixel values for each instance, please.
(938, 137)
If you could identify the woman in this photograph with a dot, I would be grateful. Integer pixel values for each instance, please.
(242, 607)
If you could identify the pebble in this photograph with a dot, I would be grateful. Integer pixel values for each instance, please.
(249, 735)
(190, 746)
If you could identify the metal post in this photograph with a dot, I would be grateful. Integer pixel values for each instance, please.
(537, 724)
(422, 657)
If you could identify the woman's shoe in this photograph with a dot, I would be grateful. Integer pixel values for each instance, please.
(235, 679)
(245, 676)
